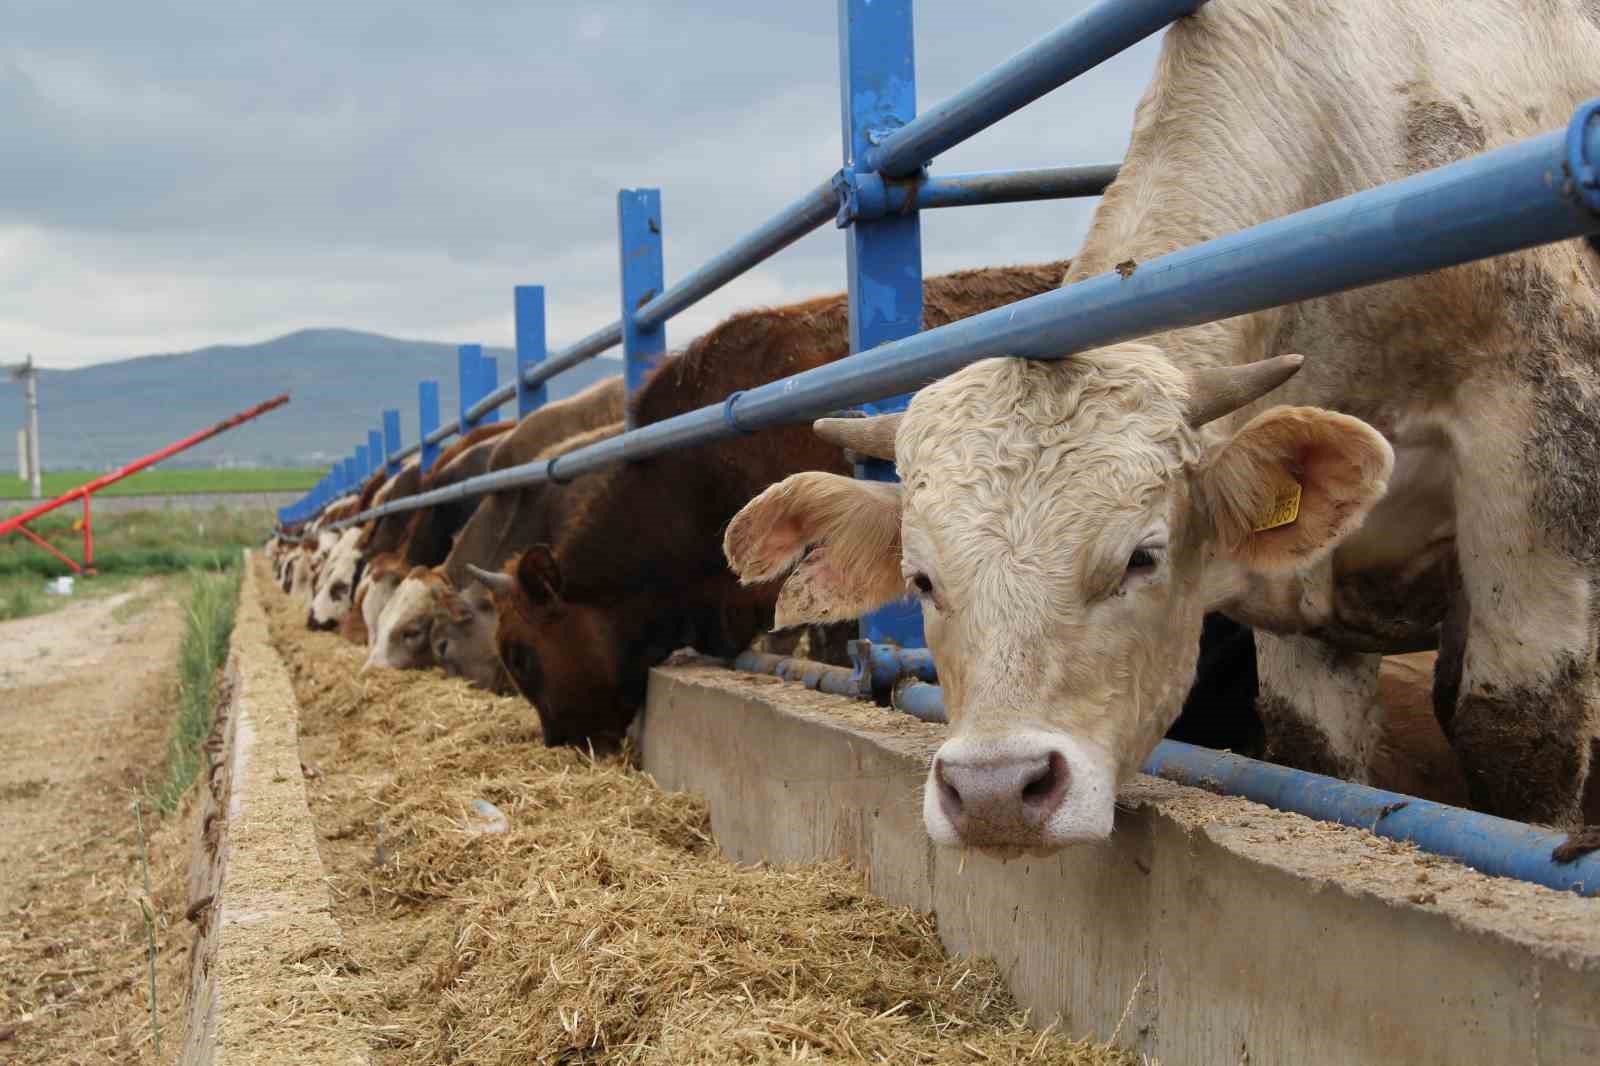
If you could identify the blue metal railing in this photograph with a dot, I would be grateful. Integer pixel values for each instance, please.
(1533, 192)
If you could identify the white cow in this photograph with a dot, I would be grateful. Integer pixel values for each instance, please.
(1065, 525)
(335, 587)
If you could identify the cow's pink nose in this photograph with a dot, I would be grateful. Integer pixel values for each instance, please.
(1005, 799)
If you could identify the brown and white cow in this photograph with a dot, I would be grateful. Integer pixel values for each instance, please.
(486, 530)
(1064, 525)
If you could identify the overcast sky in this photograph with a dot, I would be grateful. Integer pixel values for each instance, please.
(175, 175)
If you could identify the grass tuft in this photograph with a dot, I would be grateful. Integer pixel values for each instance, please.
(19, 602)
(208, 622)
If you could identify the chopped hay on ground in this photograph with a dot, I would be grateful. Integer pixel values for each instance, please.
(603, 924)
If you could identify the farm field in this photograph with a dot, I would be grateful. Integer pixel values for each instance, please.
(168, 482)
(127, 547)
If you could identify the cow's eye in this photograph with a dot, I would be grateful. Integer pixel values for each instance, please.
(922, 583)
(339, 590)
(1142, 561)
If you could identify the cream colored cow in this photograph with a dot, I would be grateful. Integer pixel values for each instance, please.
(1065, 525)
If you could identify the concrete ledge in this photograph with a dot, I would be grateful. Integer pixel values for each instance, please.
(268, 961)
(1217, 931)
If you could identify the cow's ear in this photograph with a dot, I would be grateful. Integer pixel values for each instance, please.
(540, 576)
(841, 537)
(1291, 485)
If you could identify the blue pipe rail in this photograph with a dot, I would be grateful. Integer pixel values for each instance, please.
(810, 212)
(1495, 846)
(1105, 30)
(1072, 49)
(1505, 200)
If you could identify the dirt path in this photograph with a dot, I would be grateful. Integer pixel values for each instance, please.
(85, 704)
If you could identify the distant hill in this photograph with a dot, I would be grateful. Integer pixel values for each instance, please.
(339, 382)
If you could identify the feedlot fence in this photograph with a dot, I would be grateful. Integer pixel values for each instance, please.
(1532, 192)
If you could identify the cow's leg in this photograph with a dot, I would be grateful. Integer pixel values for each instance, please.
(1318, 705)
(1521, 713)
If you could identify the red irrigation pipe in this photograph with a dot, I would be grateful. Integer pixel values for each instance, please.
(19, 523)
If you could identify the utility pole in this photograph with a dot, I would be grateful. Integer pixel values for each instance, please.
(28, 374)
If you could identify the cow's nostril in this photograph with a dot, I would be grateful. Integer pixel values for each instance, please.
(1048, 783)
(948, 793)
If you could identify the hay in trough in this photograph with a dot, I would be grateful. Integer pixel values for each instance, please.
(508, 903)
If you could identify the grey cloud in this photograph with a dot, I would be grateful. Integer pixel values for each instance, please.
(222, 172)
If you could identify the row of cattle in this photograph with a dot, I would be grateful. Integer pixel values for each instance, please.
(1409, 466)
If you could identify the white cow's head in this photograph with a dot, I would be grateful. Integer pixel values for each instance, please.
(1065, 528)
(402, 638)
(336, 584)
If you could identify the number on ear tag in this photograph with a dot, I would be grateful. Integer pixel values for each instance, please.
(1285, 508)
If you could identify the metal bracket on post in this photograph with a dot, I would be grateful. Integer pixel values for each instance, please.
(428, 422)
(529, 304)
(391, 441)
(468, 356)
(643, 277)
(878, 94)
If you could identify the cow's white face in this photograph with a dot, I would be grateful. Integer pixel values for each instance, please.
(402, 637)
(380, 589)
(1064, 528)
(336, 584)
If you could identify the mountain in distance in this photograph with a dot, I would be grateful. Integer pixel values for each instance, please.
(339, 383)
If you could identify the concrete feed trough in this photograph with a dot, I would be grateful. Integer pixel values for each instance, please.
(1211, 929)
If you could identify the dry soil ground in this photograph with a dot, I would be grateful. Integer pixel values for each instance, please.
(85, 704)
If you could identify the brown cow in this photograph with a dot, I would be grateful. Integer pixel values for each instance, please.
(431, 530)
(635, 573)
(487, 528)
(463, 624)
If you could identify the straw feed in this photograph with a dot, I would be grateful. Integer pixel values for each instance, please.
(508, 903)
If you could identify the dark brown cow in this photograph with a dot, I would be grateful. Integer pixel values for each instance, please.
(634, 572)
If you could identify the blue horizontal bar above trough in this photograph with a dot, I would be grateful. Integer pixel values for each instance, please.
(1508, 199)
(1495, 846)
(1105, 30)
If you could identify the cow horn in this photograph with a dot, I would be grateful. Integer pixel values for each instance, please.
(1217, 391)
(873, 436)
(501, 583)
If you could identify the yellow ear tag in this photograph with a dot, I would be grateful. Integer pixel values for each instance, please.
(1285, 509)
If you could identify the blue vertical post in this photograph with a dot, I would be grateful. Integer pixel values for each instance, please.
(427, 421)
(643, 276)
(488, 381)
(468, 356)
(351, 478)
(878, 94)
(391, 441)
(529, 303)
(363, 465)
(374, 451)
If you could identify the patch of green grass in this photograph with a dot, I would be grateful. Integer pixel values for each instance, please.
(20, 601)
(167, 481)
(208, 622)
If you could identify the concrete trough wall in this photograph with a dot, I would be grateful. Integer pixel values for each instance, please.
(1211, 930)
(267, 962)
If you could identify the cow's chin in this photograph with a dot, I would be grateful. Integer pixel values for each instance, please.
(1032, 792)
